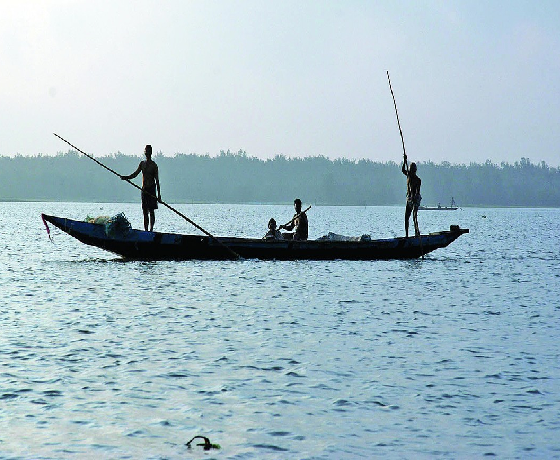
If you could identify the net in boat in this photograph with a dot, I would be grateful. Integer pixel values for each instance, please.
(115, 226)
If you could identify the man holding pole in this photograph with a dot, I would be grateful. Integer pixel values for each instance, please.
(150, 181)
(299, 222)
(413, 196)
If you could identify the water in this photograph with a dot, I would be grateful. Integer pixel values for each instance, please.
(454, 356)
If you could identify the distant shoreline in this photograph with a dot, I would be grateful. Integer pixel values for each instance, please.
(236, 178)
(174, 203)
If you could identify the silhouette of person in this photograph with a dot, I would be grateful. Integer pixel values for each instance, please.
(150, 181)
(413, 196)
(299, 222)
(273, 233)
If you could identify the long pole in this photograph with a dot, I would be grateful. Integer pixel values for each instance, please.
(402, 140)
(231, 251)
(397, 113)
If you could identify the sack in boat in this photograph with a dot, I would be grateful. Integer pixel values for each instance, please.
(98, 220)
(116, 226)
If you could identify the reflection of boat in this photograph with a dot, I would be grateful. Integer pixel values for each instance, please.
(137, 244)
(439, 207)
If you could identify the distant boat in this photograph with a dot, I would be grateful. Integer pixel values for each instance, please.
(137, 244)
(439, 207)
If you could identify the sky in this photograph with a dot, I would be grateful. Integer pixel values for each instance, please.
(473, 80)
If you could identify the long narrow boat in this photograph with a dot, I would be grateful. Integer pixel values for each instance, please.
(138, 244)
(439, 207)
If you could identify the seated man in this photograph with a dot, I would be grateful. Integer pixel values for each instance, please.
(299, 222)
(273, 233)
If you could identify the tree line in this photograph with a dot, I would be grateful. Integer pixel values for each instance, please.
(239, 178)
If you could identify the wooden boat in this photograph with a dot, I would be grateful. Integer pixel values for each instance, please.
(439, 207)
(138, 244)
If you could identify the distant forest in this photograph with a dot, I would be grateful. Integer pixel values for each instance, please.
(239, 178)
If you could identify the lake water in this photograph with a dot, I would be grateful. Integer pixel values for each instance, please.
(453, 356)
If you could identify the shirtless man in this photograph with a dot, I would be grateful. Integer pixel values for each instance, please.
(299, 221)
(150, 180)
(413, 196)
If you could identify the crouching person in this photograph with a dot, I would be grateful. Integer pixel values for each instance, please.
(273, 233)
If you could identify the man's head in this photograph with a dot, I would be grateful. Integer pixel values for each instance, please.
(413, 168)
(148, 151)
(272, 224)
(297, 205)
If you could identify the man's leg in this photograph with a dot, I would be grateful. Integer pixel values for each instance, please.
(415, 218)
(146, 219)
(152, 219)
(406, 218)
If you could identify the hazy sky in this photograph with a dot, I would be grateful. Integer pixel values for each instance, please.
(473, 79)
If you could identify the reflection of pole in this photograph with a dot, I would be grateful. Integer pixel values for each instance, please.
(397, 113)
(233, 253)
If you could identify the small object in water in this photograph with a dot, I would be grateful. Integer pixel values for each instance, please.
(484, 217)
(207, 444)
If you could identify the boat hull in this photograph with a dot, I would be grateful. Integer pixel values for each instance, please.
(137, 244)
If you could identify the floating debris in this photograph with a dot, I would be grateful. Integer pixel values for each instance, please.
(207, 445)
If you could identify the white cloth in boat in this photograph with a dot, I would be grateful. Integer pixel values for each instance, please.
(335, 237)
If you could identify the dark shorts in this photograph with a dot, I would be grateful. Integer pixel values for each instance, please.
(413, 203)
(149, 200)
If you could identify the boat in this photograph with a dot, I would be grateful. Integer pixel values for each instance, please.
(439, 207)
(141, 245)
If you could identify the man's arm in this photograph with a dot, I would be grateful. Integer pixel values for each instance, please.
(134, 174)
(405, 166)
(289, 226)
(157, 184)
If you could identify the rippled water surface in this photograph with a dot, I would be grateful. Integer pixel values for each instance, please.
(453, 356)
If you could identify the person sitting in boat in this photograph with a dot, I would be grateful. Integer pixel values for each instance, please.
(273, 233)
(299, 222)
(413, 196)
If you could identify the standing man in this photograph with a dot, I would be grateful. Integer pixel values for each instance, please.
(150, 181)
(299, 221)
(413, 196)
